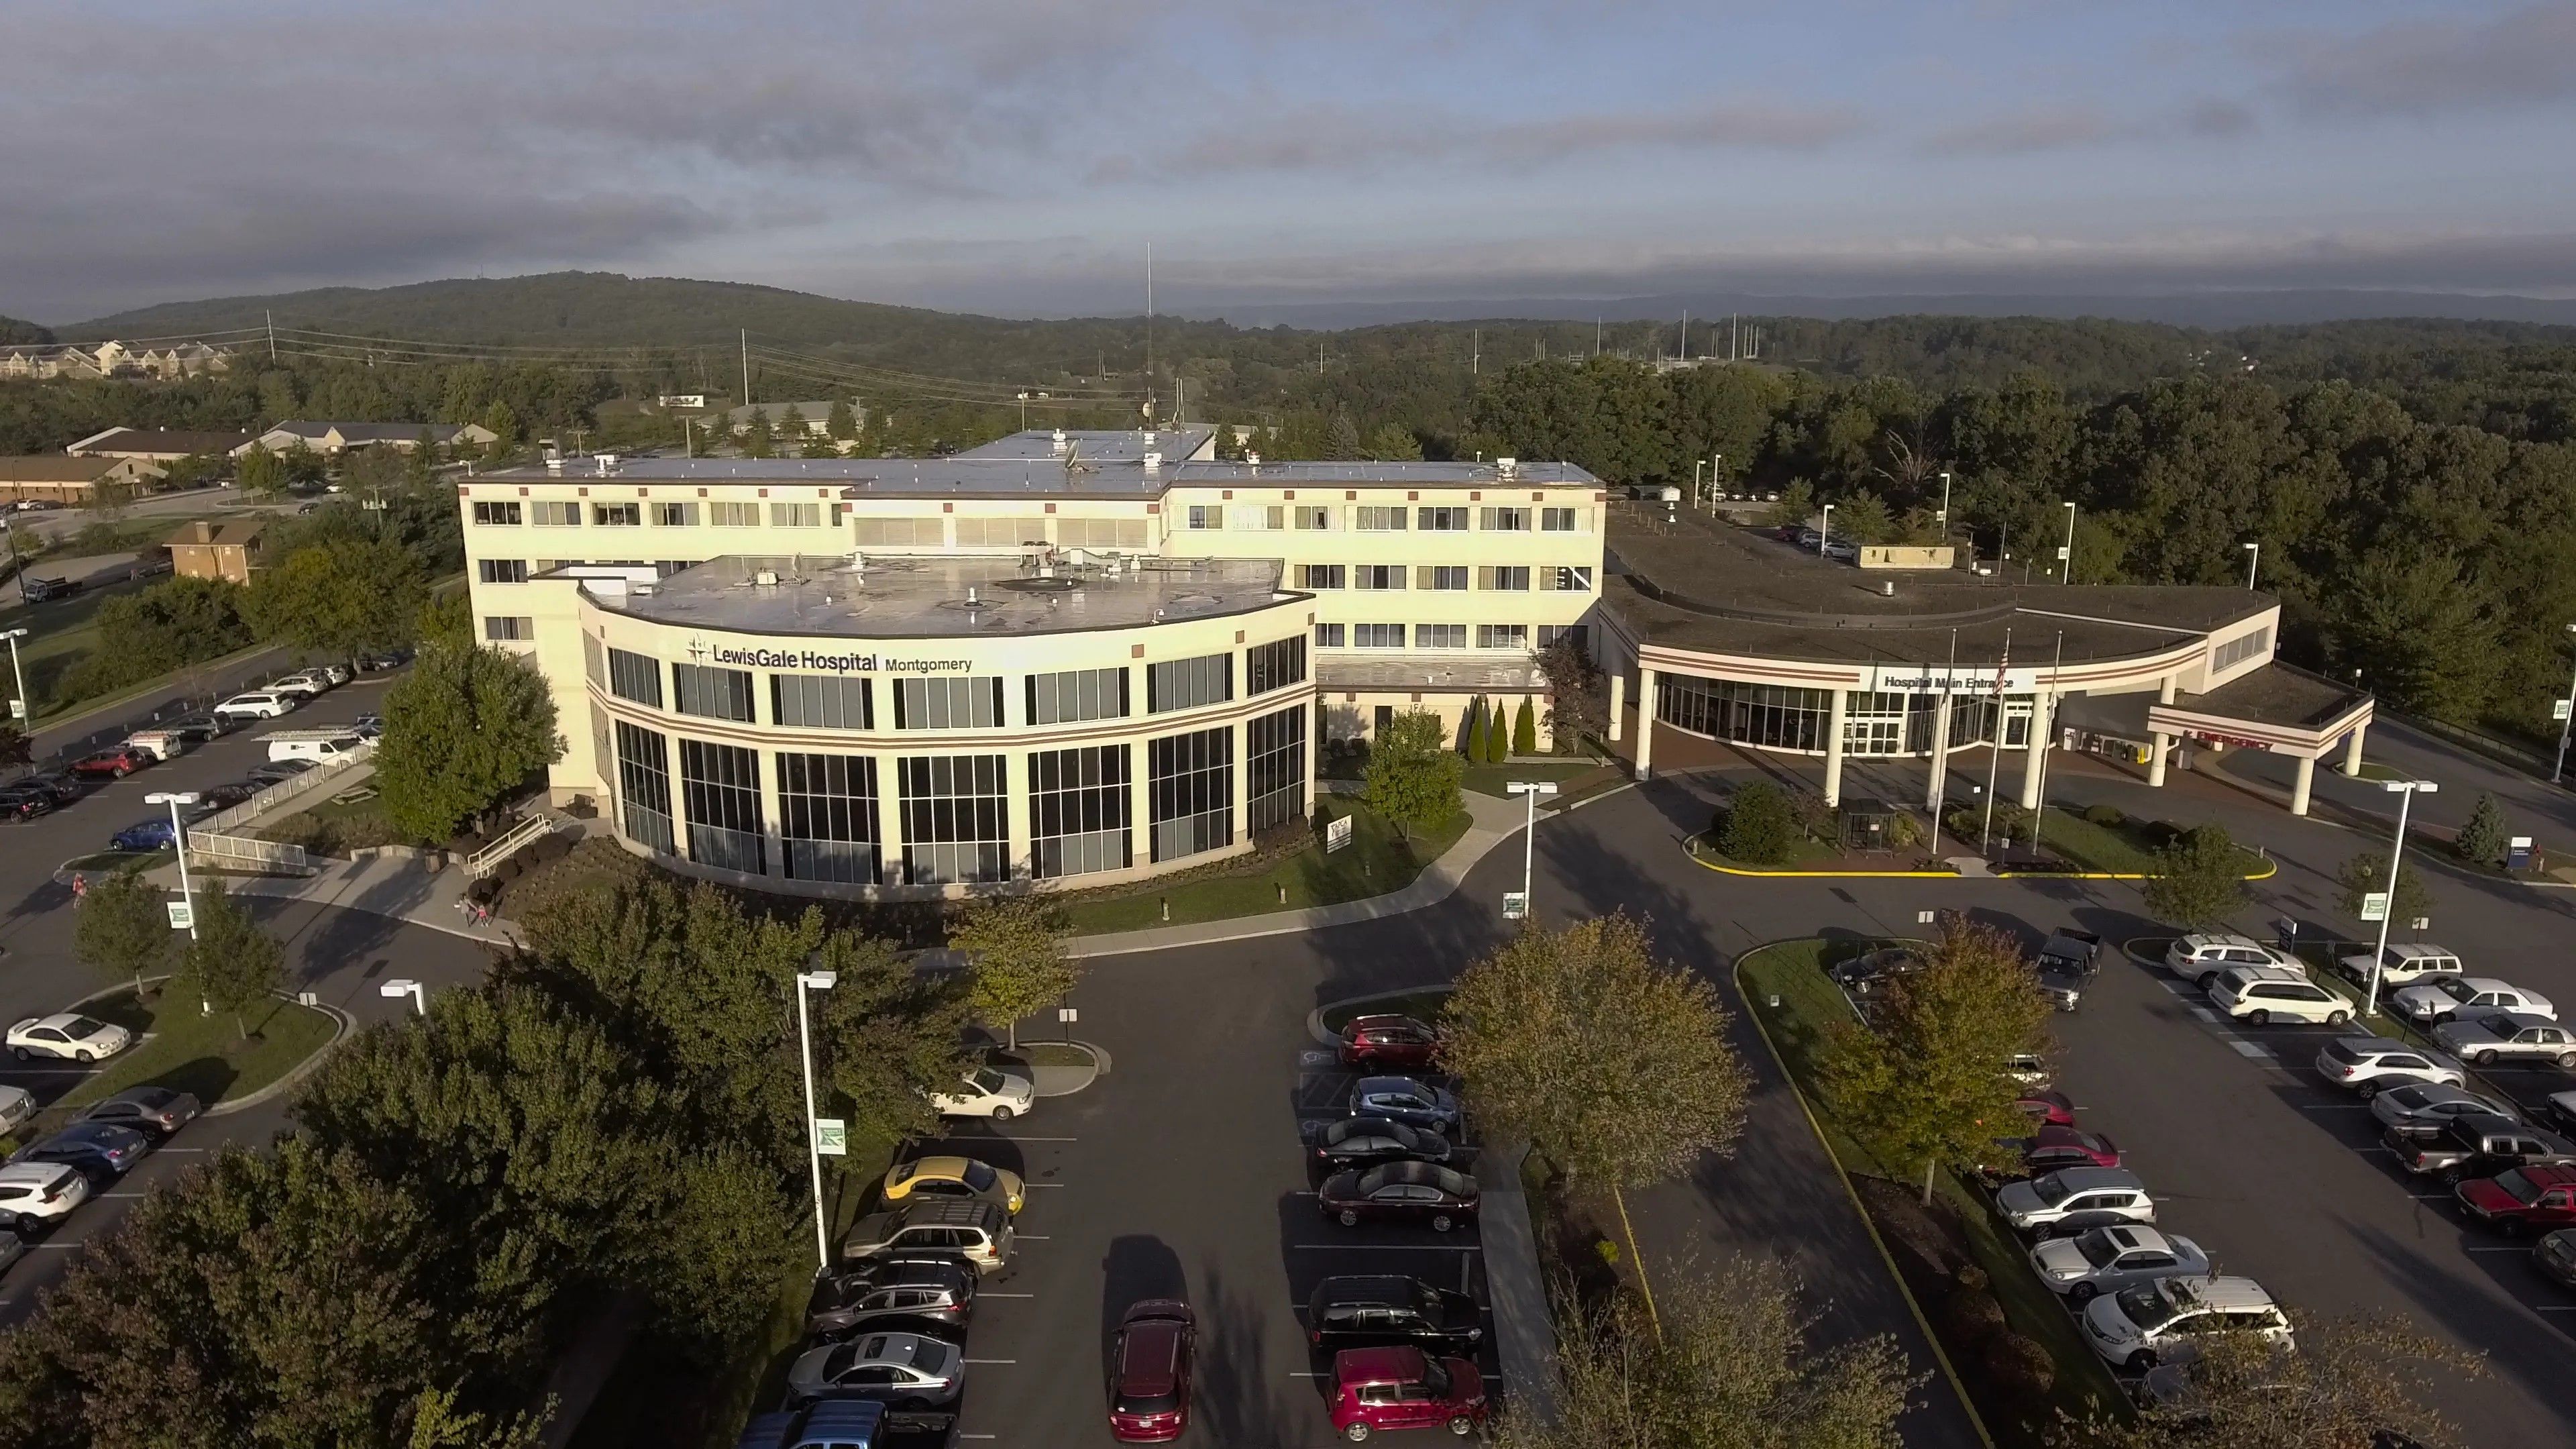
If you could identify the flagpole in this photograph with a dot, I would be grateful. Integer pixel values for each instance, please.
(2054, 671)
(1995, 744)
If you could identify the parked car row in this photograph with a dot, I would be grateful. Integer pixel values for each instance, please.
(2140, 1295)
(44, 1180)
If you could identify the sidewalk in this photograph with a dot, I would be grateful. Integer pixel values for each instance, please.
(1495, 822)
(386, 885)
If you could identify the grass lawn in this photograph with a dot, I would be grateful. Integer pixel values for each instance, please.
(1376, 861)
(328, 827)
(1808, 853)
(1421, 1005)
(2084, 1389)
(198, 1053)
(2122, 849)
(115, 860)
(653, 1399)
(1490, 779)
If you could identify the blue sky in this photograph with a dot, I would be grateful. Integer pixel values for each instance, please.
(1017, 155)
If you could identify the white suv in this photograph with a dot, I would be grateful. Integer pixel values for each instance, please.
(258, 704)
(2138, 1328)
(2201, 958)
(2371, 1064)
(33, 1194)
(2402, 964)
(2071, 1199)
(2258, 994)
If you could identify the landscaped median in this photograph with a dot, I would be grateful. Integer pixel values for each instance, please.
(185, 1048)
(1964, 1272)
(2099, 844)
(1377, 860)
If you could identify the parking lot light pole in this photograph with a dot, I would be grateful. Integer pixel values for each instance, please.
(2253, 561)
(2066, 569)
(24, 709)
(813, 981)
(2406, 791)
(1825, 535)
(1945, 505)
(2556, 771)
(179, 842)
(1529, 791)
(401, 987)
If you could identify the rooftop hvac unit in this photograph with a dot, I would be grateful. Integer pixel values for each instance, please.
(1507, 466)
(1153, 461)
(766, 578)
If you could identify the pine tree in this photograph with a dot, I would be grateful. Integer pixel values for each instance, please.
(2482, 840)
(1342, 437)
(1498, 737)
(1525, 729)
(1475, 750)
(841, 423)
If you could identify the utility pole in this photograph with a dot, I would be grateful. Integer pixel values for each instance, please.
(271, 319)
(746, 367)
(1685, 334)
(1149, 332)
(1475, 351)
(1596, 337)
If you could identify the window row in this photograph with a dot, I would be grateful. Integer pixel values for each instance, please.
(1424, 636)
(1385, 518)
(953, 811)
(569, 513)
(1777, 717)
(1507, 578)
(956, 702)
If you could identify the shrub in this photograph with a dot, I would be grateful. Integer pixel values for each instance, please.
(1971, 1279)
(1970, 1317)
(2110, 817)
(1758, 825)
(2018, 1366)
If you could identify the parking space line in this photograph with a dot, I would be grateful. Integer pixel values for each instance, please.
(993, 1360)
(2205, 1014)
(2334, 1107)
(1041, 1184)
(2249, 1049)
(1386, 1247)
(999, 1139)
(1033, 1237)
(2551, 1307)
(120, 1194)
(2509, 1248)
(1006, 1295)
(58, 1247)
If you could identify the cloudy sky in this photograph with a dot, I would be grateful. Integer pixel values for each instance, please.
(1017, 155)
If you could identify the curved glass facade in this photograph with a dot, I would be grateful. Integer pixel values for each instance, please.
(1784, 717)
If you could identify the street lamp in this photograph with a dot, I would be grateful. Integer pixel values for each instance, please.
(2406, 791)
(20, 706)
(1945, 505)
(2560, 768)
(2253, 561)
(2066, 555)
(1529, 791)
(179, 841)
(402, 986)
(813, 981)
(1825, 535)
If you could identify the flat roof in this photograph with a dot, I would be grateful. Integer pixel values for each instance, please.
(2277, 695)
(1101, 465)
(1703, 584)
(933, 598)
(1497, 671)
(1123, 445)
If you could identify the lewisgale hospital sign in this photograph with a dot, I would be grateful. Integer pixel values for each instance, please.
(801, 658)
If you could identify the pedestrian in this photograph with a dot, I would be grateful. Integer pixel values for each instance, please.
(482, 914)
(80, 888)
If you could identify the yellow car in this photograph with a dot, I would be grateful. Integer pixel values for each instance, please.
(953, 1177)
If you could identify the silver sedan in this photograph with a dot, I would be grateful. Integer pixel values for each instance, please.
(2106, 1260)
(2425, 1106)
(2507, 1036)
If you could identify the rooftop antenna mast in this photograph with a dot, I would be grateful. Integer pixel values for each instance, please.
(1149, 332)
(271, 318)
(746, 367)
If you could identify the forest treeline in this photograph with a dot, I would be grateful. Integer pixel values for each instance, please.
(2412, 483)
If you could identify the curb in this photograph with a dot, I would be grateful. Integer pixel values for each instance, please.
(1315, 1018)
(1940, 1355)
(1099, 1064)
(2270, 869)
(297, 1074)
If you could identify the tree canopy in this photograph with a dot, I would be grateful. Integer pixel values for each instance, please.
(1015, 958)
(1413, 778)
(346, 597)
(2199, 878)
(463, 727)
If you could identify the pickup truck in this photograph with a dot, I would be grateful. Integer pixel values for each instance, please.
(2066, 962)
(2476, 1145)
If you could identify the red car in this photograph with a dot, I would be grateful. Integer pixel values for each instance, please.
(1404, 1388)
(1400, 1192)
(116, 763)
(2053, 1147)
(1388, 1043)
(2523, 1199)
(1149, 1372)
(2047, 1109)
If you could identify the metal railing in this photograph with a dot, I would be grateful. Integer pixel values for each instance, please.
(530, 829)
(327, 773)
(247, 851)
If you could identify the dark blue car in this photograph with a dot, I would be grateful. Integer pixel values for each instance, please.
(101, 1150)
(153, 834)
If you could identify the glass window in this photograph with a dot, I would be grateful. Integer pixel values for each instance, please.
(734, 515)
(503, 512)
(1206, 516)
(1275, 754)
(1077, 694)
(966, 702)
(711, 692)
(1189, 683)
(956, 818)
(558, 514)
(795, 515)
(721, 785)
(1369, 518)
(1313, 519)
(1566, 580)
(1190, 782)
(1377, 636)
(675, 515)
(502, 570)
(1440, 520)
(1771, 716)
(1100, 532)
(1256, 518)
(617, 515)
(635, 677)
(827, 817)
(509, 628)
(1274, 665)
(1549, 633)
(1509, 577)
(1078, 819)
(1443, 576)
(644, 787)
(1328, 636)
(1502, 636)
(1559, 520)
(1439, 636)
(821, 702)
(1005, 531)
(1506, 520)
(2241, 648)
(901, 533)
(1323, 576)
(594, 661)
(1377, 576)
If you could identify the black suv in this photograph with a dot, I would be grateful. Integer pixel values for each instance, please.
(2478, 1145)
(1363, 1312)
(2066, 962)
(912, 1290)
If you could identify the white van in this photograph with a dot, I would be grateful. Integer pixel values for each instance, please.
(162, 745)
(319, 746)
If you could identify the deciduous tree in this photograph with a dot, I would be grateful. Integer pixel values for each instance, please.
(1926, 1086)
(230, 962)
(1577, 700)
(123, 928)
(2199, 878)
(2366, 874)
(464, 727)
(2351, 1382)
(1014, 950)
(1413, 778)
(350, 596)
(1758, 826)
